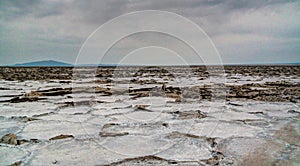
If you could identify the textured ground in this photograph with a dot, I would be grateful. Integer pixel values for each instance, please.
(150, 116)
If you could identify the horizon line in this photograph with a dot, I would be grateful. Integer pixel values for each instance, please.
(65, 64)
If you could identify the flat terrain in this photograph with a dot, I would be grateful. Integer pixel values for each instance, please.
(232, 115)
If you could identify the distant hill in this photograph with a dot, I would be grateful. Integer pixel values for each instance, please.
(62, 64)
(44, 63)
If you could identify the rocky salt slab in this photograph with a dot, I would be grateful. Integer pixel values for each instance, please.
(73, 152)
(44, 130)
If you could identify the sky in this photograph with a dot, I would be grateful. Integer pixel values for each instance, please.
(242, 31)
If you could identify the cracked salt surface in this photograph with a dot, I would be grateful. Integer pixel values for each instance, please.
(99, 129)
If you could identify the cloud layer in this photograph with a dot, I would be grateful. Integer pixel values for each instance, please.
(258, 31)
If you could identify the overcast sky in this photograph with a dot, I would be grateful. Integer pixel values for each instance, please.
(243, 31)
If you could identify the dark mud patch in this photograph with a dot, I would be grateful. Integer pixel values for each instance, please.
(112, 134)
(62, 136)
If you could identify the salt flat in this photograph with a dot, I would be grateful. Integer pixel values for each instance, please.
(150, 116)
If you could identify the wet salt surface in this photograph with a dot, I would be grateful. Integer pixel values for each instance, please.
(116, 129)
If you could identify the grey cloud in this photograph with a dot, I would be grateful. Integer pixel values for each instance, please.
(69, 22)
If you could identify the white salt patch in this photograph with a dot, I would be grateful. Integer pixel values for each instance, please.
(26, 109)
(135, 146)
(45, 130)
(10, 126)
(67, 117)
(187, 150)
(233, 116)
(224, 129)
(10, 155)
(74, 110)
(72, 152)
(141, 116)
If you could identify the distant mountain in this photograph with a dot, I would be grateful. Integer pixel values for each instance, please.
(62, 64)
(44, 63)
